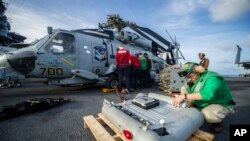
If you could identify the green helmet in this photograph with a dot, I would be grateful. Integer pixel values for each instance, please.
(187, 68)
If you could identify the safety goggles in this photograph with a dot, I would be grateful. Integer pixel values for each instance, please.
(183, 73)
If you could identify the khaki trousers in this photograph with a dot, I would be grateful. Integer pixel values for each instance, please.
(214, 113)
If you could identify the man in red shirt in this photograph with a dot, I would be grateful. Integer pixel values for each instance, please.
(134, 71)
(122, 58)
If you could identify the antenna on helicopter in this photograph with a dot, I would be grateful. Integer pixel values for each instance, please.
(176, 45)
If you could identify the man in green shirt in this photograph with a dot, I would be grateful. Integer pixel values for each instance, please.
(207, 91)
(143, 71)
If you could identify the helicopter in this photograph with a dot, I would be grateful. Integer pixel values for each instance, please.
(83, 56)
(245, 64)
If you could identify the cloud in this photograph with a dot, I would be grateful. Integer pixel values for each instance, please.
(229, 69)
(185, 7)
(225, 10)
(227, 47)
(182, 9)
(33, 24)
(226, 61)
(180, 14)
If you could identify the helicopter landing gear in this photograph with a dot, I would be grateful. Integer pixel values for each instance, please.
(111, 82)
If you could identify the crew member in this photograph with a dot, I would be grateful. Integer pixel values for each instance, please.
(143, 71)
(149, 66)
(207, 91)
(123, 66)
(134, 71)
(204, 61)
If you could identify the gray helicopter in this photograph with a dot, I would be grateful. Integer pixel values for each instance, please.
(83, 56)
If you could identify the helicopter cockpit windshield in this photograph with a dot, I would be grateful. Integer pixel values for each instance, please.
(61, 43)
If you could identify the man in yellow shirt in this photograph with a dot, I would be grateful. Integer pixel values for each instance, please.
(204, 61)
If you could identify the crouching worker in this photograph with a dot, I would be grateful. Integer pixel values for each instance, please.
(207, 91)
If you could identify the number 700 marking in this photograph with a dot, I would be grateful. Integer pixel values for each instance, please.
(51, 71)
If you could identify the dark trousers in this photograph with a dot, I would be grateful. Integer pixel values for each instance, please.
(148, 78)
(143, 79)
(123, 73)
(134, 77)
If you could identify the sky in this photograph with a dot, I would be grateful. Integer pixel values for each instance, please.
(213, 27)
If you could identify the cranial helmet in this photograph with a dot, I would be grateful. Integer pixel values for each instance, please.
(190, 67)
(202, 54)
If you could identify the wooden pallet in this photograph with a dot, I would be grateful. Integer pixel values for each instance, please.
(101, 134)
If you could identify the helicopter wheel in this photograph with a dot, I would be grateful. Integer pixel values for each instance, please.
(112, 82)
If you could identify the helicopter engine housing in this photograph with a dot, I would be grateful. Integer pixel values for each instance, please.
(134, 38)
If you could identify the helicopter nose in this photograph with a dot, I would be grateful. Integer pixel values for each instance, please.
(3, 60)
(22, 61)
(3, 64)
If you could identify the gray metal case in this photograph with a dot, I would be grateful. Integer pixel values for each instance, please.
(145, 102)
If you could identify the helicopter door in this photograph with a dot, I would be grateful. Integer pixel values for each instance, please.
(58, 57)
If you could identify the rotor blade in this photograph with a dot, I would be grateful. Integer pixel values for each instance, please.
(144, 35)
(155, 35)
(136, 30)
(170, 37)
(178, 48)
(172, 56)
(176, 44)
(181, 53)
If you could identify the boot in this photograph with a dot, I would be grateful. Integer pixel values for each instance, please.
(217, 127)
